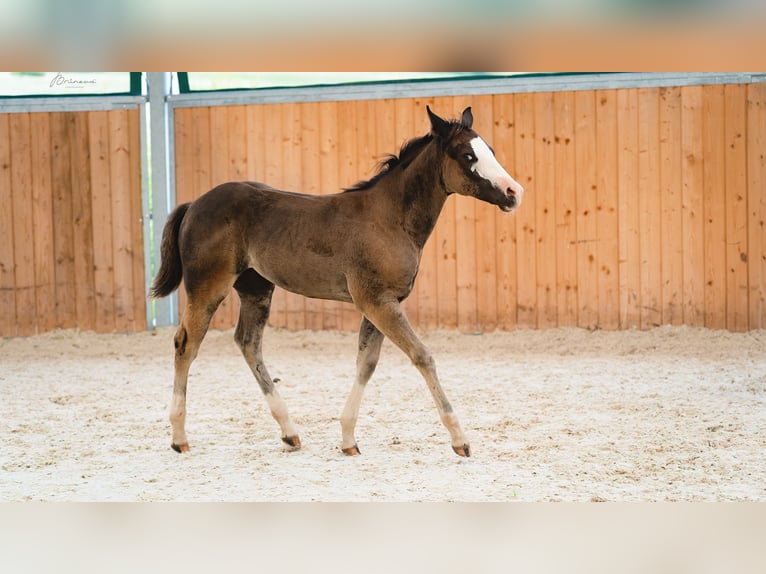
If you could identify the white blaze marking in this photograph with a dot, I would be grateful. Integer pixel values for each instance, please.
(490, 169)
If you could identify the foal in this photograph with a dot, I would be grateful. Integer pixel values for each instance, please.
(362, 246)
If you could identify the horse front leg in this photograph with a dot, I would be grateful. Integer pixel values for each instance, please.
(370, 341)
(388, 317)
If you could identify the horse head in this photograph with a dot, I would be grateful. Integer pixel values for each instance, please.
(470, 167)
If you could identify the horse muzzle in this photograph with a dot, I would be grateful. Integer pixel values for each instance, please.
(513, 199)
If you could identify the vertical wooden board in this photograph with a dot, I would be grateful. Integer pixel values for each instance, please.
(524, 150)
(564, 189)
(407, 115)
(236, 133)
(692, 207)
(136, 223)
(42, 202)
(606, 210)
(202, 153)
(236, 145)
(348, 174)
(295, 308)
(349, 130)
(82, 213)
(404, 129)
(63, 226)
(273, 177)
(121, 191)
(404, 117)
(756, 202)
(23, 230)
(545, 212)
(587, 203)
(329, 183)
(445, 246)
(650, 240)
(103, 223)
(220, 160)
(309, 148)
(465, 249)
(446, 268)
(355, 165)
(200, 169)
(184, 152)
(101, 203)
(227, 132)
(486, 229)
(505, 225)
(255, 142)
(366, 137)
(465, 235)
(311, 184)
(187, 138)
(427, 285)
(7, 257)
(185, 126)
(671, 196)
(714, 205)
(736, 208)
(257, 152)
(628, 209)
(363, 127)
(386, 136)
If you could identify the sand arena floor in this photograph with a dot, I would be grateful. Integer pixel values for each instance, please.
(670, 414)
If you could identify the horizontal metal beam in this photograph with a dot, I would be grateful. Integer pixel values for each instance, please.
(436, 88)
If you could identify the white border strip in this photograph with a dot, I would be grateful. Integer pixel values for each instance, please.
(70, 104)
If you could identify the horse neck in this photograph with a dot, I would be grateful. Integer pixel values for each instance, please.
(420, 195)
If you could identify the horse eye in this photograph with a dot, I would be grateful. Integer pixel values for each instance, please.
(469, 157)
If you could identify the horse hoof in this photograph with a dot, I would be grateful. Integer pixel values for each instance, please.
(292, 441)
(351, 451)
(464, 450)
(180, 447)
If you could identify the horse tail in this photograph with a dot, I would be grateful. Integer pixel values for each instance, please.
(169, 276)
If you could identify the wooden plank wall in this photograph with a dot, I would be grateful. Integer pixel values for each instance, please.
(71, 238)
(643, 207)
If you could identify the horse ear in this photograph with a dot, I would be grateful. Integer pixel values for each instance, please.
(467, 119)
(438, 126)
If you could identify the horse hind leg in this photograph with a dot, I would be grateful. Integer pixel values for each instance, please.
(255, 296)
(188, 338)
(370, 341)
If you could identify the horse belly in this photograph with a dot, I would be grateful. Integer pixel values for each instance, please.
(304, 252)
(314, 279)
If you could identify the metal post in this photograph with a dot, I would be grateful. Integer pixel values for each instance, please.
(161, 200)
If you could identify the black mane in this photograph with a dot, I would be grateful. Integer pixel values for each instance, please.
(407, 154)
(409, 151)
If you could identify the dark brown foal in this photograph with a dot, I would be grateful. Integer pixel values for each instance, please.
(361, 246)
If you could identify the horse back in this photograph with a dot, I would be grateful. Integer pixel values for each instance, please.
(306, 244)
